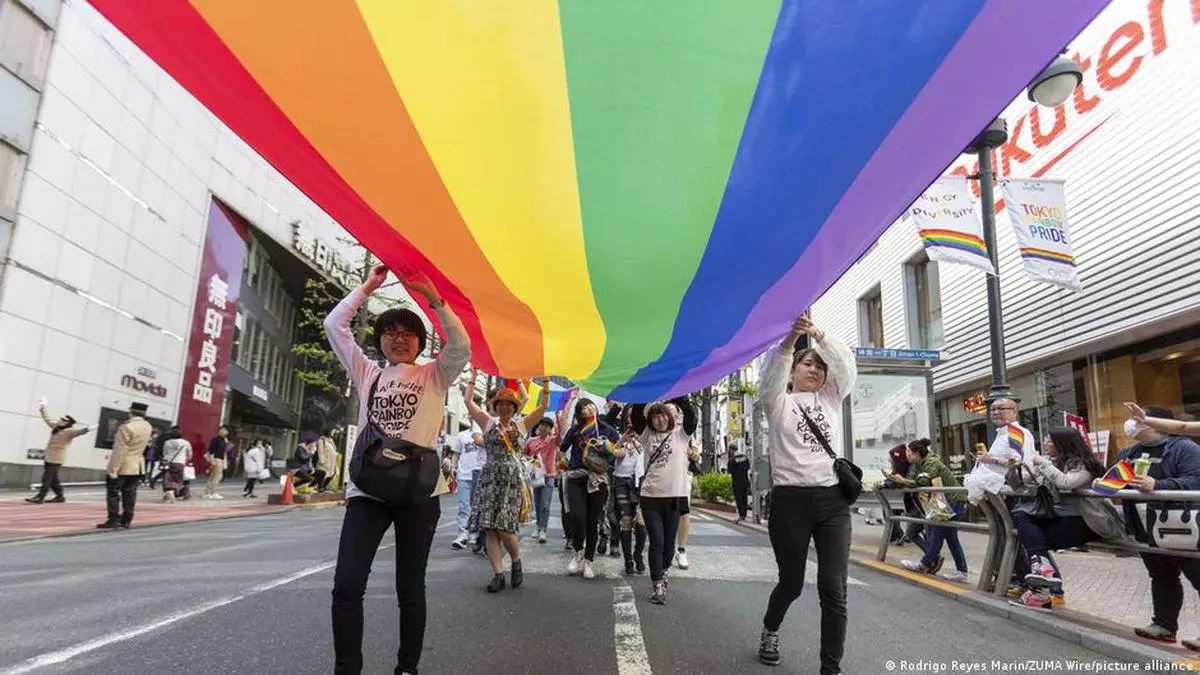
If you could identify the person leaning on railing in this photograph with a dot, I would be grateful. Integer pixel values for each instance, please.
(1174, 465)
(925, 467)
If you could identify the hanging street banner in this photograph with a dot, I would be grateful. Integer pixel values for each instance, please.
(1038, 208)
(949, 225)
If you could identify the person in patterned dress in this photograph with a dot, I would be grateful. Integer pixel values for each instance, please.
(501, 485)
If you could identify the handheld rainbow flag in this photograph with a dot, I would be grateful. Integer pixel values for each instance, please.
(694, 173)
(1116, 479)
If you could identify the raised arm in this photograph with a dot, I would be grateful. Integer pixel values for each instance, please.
(46, 417)
(477, 414)
(842, 367)
(531, 420)
(637, 418)
(690, 420)
(777, 370)
(1163, 426)
(337, 326)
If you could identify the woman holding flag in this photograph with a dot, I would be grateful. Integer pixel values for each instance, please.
(501, 484)
(590, 445)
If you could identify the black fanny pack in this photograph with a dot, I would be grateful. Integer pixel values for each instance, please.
(393, 470)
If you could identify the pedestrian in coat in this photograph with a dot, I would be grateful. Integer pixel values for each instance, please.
(62, 432)
(125, 468)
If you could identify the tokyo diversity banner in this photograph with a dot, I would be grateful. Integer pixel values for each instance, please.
(210, 341)
(1038, 209)
(949, 224)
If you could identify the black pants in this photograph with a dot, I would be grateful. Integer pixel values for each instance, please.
(121, 495)
(562, 502)
(820, 515)
(1166, 591)
(662, 526)
(320, 480)
(363, 528)
(250, 483)
(1039, 536)
(50, 481)
(587, 508)
(741, 495)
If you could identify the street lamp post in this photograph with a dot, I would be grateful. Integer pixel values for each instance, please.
(1050, 88)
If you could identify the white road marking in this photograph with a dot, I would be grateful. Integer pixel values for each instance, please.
(63, 655)
(631, 647)
(699, 516)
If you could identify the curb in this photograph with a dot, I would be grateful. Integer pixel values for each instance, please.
(80, 533)
(1151, 658)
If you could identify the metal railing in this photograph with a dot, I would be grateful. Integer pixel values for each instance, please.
(1000, 556)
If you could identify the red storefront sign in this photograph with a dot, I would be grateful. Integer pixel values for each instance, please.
(206, 372)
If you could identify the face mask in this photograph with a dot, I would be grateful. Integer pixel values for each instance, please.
(1132, 428)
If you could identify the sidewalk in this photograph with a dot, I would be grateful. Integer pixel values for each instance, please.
(1103, 592)
(85, 507)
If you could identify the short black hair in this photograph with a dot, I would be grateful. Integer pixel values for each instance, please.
(405, 318)
(921, 446)
(1159, 412)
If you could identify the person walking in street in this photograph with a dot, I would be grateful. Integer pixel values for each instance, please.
(218, 449)
(626, 501)
(177, 453)
(154, 464)
(468, 459)
(326, 462)
(590, 445)
(543, 448)
(665, 484)
(739, 470)
(255, 462)
(125, 468)
(807, 503)
(62, 432)
(1174, 465)
(501, 484)
(402, 400)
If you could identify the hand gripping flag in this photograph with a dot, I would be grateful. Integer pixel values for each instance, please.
(1116, 479)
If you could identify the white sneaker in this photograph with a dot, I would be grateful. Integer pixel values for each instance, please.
(573, 566)
(955, 576)
(681, 560)
(588, 572)
(218, 496)
(542, 537)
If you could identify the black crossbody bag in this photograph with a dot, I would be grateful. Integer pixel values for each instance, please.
(848, 474)
(392, 470)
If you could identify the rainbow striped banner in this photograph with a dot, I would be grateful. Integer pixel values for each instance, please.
(638, 196)
(1038, 210)
(1116, 479)
(949, 225)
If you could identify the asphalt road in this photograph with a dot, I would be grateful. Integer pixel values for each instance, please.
(251, 595)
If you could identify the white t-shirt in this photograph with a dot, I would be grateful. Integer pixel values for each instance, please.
(666, 470)
(631, 465)
(471, 458)
(797, 457)
(409, 400)
(1004, 447)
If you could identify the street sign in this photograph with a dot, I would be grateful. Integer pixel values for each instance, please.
(898, 354)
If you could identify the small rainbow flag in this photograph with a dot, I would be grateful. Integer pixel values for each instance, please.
(1016, 440)
(1116, 479)
(959, 241)
(1052, 256)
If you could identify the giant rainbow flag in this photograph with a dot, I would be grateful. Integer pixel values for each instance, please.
(637, 195)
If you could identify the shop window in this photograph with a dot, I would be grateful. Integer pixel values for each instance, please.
(870, 319)
(24, 43)
(923, 303)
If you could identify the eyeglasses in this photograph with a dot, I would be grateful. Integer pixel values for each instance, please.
(399, 334)
(1003, 407)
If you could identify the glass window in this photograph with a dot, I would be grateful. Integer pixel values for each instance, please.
(870, 319)
(18, 110)
(12, 167)
(924, 306)
(24, 43)
(886, 410)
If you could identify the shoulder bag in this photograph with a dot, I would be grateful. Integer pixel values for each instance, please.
(849, 476)
(392, 470)
(658, 451)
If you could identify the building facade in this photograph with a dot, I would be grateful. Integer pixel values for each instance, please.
(148, 253)
(1123, 143)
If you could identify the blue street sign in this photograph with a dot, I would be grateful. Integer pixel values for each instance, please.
(898, 354)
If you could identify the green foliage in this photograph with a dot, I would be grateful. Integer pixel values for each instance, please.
(715, 487)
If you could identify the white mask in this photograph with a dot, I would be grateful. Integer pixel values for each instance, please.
(1132, 428)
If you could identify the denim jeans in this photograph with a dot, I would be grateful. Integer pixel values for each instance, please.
(464, 507)
(542, 495)
(949, 535)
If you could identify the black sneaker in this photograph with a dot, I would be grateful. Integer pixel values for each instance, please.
(602, 546)
(109, 525)
(768, 647)
(640, 564)
(57, 500)
(497, 584)
(628, 568)
(34, 500)
(659, 596)
(518, 575)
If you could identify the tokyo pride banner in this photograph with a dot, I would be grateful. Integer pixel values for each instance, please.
(1038, 208)
(949, 225)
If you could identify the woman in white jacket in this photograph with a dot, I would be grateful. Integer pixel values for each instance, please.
(806, 503)
(254, 463)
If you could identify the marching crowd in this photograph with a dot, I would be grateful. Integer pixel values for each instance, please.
(622, 480)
